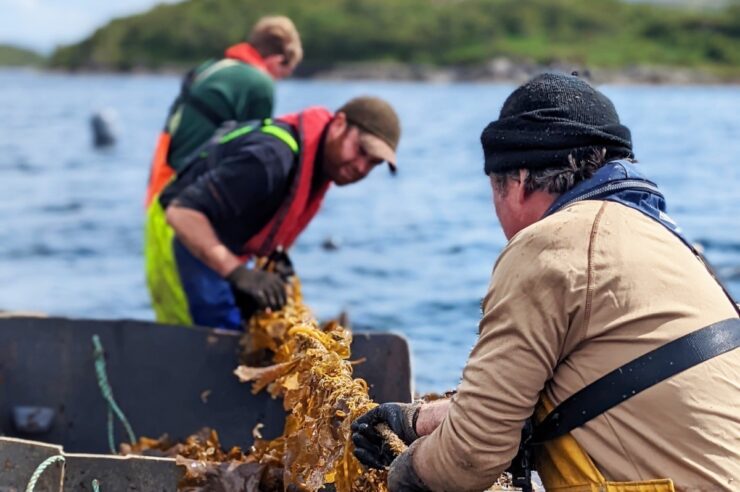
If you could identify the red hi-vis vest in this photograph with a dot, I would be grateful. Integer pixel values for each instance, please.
(161, 172)
(303, 199)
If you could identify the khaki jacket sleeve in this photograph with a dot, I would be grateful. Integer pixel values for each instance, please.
(536, 293)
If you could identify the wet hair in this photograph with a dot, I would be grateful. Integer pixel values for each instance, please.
(558, 180)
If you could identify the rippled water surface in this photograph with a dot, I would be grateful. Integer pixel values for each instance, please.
(415, 252)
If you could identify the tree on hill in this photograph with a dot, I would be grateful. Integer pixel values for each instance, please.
(600, 33)
(16, 56)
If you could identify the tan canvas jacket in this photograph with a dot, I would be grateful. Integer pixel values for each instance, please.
(573, 297)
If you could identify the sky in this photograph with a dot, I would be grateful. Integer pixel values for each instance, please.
(43, 24)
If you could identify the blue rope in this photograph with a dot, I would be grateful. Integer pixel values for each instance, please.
(40, 469)
(107, 392)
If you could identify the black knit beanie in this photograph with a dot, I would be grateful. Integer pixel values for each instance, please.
(547, 119)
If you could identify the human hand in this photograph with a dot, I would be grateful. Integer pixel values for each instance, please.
(280, 263)
(371, 448)
(265, 289)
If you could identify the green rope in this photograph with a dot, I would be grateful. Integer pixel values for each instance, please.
(40, 469)
(44, 465)
(107, 392)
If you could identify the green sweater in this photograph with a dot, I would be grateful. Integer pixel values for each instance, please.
(232, 89)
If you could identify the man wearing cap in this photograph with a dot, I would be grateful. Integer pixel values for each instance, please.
(606, 347)
(250, 193)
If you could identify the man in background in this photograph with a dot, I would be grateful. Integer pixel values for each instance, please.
(238, 87)
(249, 194)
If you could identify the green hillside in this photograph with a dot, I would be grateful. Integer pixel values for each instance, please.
(597, 33)
(15, 56)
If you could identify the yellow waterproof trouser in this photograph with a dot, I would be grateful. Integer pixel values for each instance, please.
(564, 466)
(169, 301)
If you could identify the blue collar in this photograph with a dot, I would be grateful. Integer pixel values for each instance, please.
(622, 182)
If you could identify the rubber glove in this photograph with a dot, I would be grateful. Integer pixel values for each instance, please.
(281, 264)
(371, 449)
(257, 287)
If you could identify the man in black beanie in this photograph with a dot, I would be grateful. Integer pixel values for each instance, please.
(551, 120)
(596, 297)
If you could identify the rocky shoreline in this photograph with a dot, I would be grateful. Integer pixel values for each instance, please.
(498, 70)
(505, 70)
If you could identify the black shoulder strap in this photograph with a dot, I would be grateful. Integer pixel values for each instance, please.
(187, 97)
(638, 375)
(209, 113)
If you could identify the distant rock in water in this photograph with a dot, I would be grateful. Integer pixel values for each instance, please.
(330, 243)
(104, 128)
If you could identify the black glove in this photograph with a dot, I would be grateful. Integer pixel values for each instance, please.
(402, 477)
(371, 448)
(281, 264)
(265, 289)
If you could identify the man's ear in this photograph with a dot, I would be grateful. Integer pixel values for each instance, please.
(337, 125)
(519, 187)
(340, 121)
